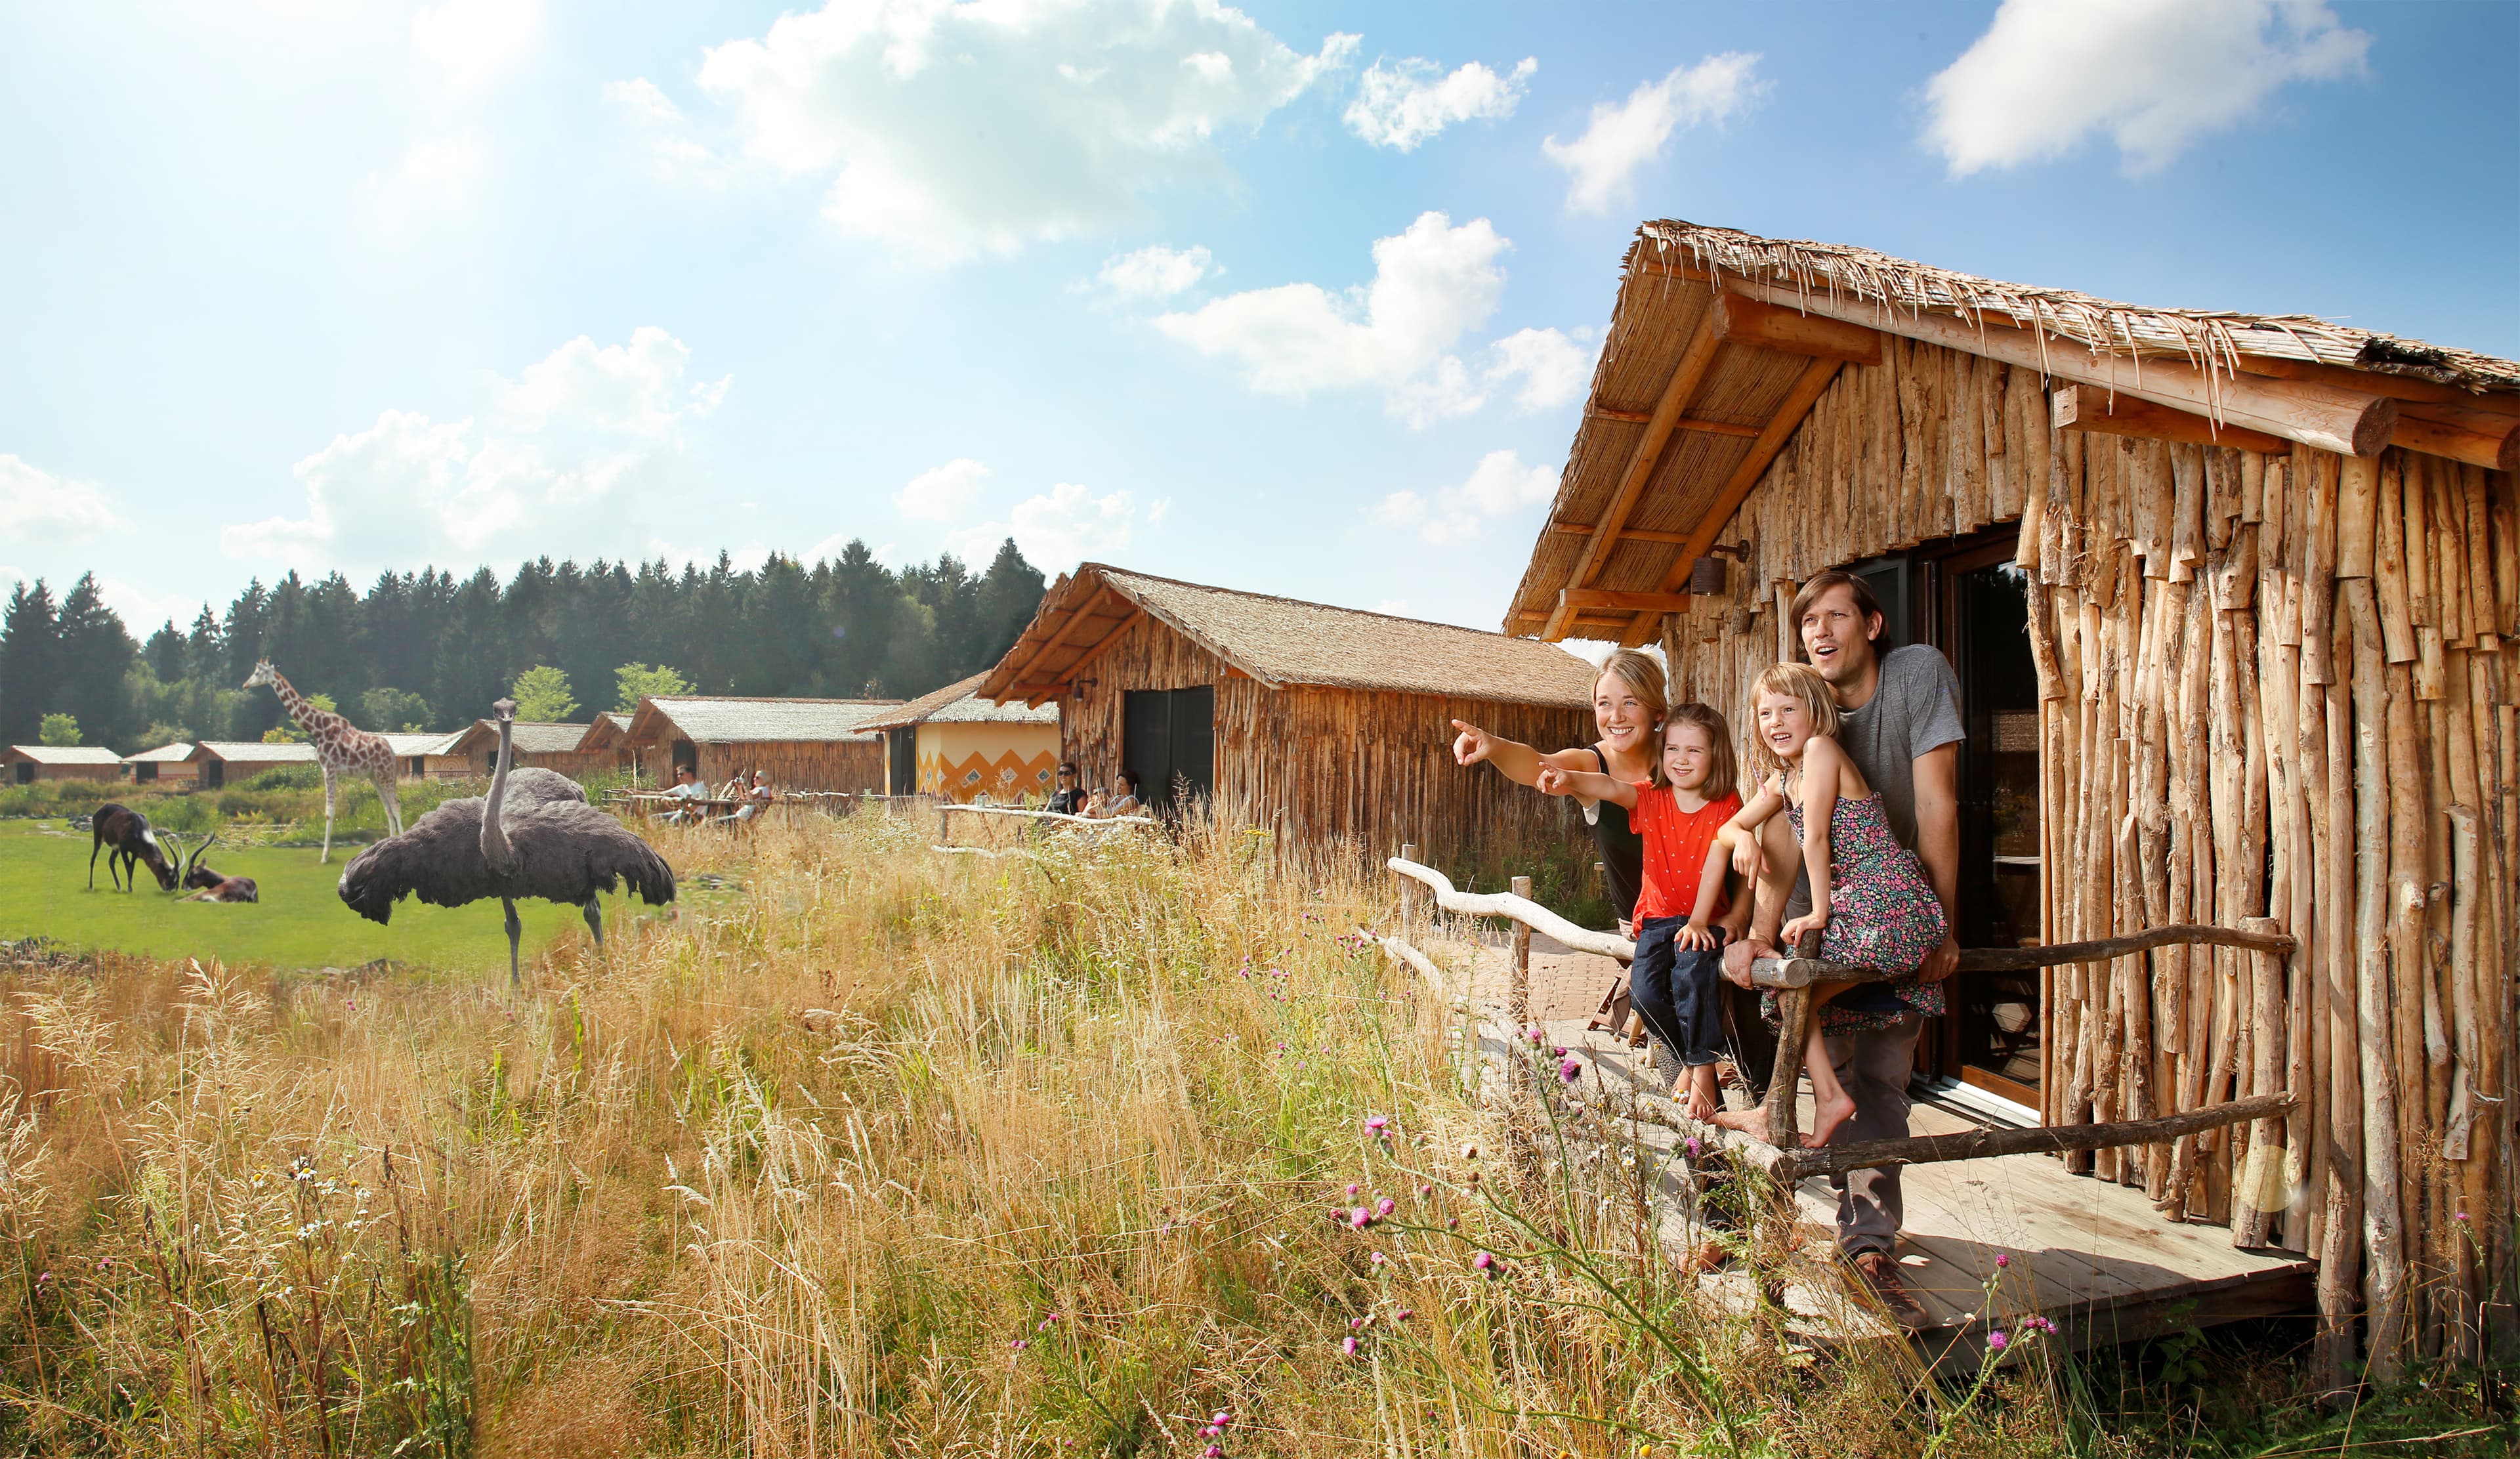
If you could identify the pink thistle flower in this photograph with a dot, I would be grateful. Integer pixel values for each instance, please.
(1385, 1206)
(1452, 1223)
(1354, 1323)
(1020, 1344)
(1376, 1124)
(1483, 1262)
(1379, 1258)
(1557, 1053)
(1405, 1313)
(1353, 1189)
(1211, 1452)
(1571, 1071)
(1347, 1346)
(1360, 1219)
(1997, 1340)
(1223, 1418)
(1697, 1147)
(1424, 1191)
(1536, 1036)
(2001, 1261)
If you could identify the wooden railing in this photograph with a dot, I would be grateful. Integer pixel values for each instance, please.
(1791, 976)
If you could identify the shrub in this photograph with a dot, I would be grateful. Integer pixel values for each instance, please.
(59, 730)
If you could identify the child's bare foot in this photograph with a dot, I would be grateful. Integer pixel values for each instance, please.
(1826, 1117)
(1749, 1121)
(1703, 1100)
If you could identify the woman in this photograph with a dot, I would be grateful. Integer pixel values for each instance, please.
(1628, 702)
(1130, 804)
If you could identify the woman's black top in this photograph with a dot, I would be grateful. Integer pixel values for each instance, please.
(1623, 851)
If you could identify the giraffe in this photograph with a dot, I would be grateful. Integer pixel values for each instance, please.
(340, 746)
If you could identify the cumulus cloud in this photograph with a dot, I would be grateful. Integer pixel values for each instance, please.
(1624, 136)
(1400, 335)
(950, 130)
(35, 504)
(1066, 525)
(474, 41)
(662, 135)
(943, 493)
(583, 452)
(2154, 75)
(1498, 486)
(1404, 103)
(1155, 273)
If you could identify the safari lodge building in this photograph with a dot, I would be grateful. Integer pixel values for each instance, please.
(220, 762)
(28, 763)
(2231, 600)
(1314, 722)
(805, 743)
(956, 746)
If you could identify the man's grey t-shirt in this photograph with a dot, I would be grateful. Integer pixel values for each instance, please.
(1914, 710)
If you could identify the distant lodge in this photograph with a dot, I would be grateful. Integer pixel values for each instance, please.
(1318, 722)
(28, 763)
(804, 744)
(957, 746)
(474, 752)
(169, 765)
(216, 762)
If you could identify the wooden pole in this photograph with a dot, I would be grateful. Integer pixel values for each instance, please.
(1864, 1155)
(2383, 1231)
(1521, 960)
(2258, 1191)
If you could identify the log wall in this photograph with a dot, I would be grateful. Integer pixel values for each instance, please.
(2271, 685)
(793, 765)
(1324, 764)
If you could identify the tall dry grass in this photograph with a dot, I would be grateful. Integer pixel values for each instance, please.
(865, 1150)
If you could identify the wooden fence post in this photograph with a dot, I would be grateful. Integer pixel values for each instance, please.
(1521, 997)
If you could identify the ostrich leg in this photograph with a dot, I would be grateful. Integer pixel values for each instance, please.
(328, 817)
(594, 911)
(516, 978)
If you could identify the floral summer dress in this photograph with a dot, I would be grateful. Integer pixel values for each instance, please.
(1883, 914)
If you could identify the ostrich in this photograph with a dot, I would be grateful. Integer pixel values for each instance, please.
(533, 836)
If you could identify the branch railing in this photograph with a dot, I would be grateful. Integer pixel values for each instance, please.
(1791, 977)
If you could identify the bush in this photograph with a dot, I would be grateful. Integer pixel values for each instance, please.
(58, 730)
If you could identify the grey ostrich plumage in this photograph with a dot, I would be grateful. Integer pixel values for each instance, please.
(564, 850)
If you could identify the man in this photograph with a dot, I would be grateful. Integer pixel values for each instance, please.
(1900, 725)
(687, 789)
(1067, 801)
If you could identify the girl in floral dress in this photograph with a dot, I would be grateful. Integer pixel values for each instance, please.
(1871, 902)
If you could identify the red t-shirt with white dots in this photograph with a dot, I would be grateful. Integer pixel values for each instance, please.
(1676, 842)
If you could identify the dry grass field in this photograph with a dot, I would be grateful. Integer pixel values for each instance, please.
(869, 1151)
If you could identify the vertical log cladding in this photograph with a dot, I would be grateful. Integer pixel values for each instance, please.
(2187, 592)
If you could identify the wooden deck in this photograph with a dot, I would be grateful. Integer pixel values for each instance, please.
(2090, 1255)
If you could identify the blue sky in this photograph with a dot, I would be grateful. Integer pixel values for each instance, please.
(1300, 298)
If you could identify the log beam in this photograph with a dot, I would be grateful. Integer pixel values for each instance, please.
(2078, 407)
(2349, 421)
(1780, 428)
(1684, 423)
(1747, 320)
(1633, 534)
(2377, 382)
(1616, 601)
(1795, 1164)
(1685, 376)
(2435, 437)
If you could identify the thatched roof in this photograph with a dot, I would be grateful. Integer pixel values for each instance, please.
(407, 746)
(705, 719)
(163, 754)
(256, 751)
(1720, 340)
(960, 702)
(1282, 641)
(65, 754)
(2218, 338)
(606, 731)
(530, 738)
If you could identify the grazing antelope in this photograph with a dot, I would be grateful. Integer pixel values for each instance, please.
(127, 833)
(209, 885)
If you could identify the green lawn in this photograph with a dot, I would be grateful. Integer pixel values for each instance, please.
(300, 923)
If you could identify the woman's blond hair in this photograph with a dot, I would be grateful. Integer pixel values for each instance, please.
(1795, 682)
(1723, 770)
(1643, 678)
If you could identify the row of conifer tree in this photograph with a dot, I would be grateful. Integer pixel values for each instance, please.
(428, 650)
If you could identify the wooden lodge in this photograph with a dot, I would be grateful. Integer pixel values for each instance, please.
(2233, 601)
(425, 757)
(550, 746)
(1322, 723)
(27, 763)
(606, 745)
(805, 743)
(168, 766)
(957, 746)
(217, 763)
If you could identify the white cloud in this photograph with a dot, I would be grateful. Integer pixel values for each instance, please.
(1157, 272)
(2152, 73)
(949, 130)
(1624, 136)
(1055, 531)
(34, 503)
(475, 41)
(583, 453)
(663, 135)
(142, 610)
(1432, 283)
(1552, 367)
(943, 493)
(435, 184)
(1498, 486)
(1158, 510)
(1413, 100)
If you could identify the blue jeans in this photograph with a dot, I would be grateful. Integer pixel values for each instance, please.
(1676, 990)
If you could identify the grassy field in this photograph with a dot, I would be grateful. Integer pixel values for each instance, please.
(885, 1152)
(300, 923)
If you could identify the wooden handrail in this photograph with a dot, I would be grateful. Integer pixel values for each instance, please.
(1524, 910)
(1791, 1165)
(1048, 815)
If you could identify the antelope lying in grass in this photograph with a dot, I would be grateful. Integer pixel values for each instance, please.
(127, 834)
(208, 886)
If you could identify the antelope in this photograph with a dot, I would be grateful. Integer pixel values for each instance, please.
(209, 885)
(126, 832)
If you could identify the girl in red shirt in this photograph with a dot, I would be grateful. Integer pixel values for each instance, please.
(1679, 947)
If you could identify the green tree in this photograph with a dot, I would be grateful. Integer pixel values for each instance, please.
(543, 696)
(30, 635)
(385, 710)
(287, 730)
(59, 729)
(637, 680)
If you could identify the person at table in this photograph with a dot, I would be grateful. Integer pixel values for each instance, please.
(1128, 802)
(687, 790)
(1628, 707)
(1067, 801)
(760, 796)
